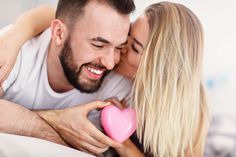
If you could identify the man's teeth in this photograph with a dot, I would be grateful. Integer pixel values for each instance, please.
(95, 71)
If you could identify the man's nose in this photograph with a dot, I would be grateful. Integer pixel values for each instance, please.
(124, 50)
(110, 59)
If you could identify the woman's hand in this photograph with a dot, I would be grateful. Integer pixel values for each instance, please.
(120, 104)
(8, 53)
(128, 149)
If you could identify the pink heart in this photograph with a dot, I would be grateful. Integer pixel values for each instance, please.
(119, 125)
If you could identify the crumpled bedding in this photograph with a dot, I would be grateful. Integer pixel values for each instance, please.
(221, 138)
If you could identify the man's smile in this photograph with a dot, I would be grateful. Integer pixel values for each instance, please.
(94, 72)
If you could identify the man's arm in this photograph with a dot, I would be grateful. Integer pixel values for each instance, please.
(15, 119)
(73, 125)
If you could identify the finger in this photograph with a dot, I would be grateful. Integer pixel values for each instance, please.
(91, 148)
(110, 99)
(95, 105)
(124, 102)
(83, 150)
(100, 137)
(106, 140)
(89, 139)
(3, 78)
(3, 73)
(116, 102)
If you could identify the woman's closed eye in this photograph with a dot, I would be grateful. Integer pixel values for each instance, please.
(136, 45)
(134, 48)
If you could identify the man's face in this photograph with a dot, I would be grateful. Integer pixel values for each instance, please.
(93, 46)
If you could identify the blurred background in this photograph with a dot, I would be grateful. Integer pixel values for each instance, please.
(219, 21)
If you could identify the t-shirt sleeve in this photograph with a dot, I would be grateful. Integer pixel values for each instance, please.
(122, 90)
(13, 74)
(115, 86)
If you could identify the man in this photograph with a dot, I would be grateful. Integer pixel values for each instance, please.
(79, 50)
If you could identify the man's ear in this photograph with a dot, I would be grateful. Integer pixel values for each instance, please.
(59, 32)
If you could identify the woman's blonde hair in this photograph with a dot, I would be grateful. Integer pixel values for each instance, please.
(168, 94)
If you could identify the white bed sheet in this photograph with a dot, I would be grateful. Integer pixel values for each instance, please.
(21, 146)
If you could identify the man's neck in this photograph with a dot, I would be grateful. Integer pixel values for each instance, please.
(56, 77)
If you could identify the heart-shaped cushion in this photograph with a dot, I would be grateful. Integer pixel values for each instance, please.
(118, 124)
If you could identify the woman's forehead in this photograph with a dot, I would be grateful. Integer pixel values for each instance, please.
(139, 29)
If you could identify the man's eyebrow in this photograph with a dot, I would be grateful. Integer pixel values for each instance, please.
(101, 40)
(139, 43)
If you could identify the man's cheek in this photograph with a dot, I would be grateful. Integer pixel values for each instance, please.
(117, 59)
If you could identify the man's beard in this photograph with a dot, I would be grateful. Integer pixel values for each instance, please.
(73, 73)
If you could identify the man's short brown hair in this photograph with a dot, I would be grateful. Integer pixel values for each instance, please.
(69, 10)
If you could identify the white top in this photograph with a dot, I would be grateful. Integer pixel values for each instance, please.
(21, 146)
(28, 84)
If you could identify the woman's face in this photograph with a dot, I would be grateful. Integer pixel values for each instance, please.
(132, 53)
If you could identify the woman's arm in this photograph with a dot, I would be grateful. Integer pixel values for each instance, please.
(26, 26)
(128, 149)
(32, 23)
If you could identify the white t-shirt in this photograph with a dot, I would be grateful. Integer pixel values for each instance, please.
(28, 84)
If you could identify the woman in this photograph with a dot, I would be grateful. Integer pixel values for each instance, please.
(165, 53)
(164, 59)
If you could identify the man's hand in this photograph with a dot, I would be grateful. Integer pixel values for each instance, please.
(75, 128)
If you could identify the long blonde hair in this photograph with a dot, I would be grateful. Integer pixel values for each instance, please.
(168, 94)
